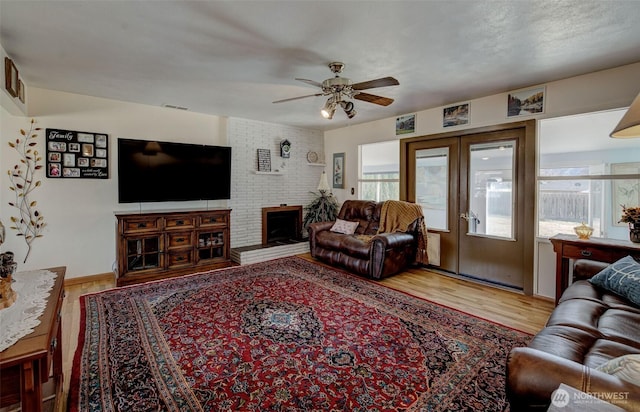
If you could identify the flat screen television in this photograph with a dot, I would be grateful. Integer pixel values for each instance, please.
(152, 171)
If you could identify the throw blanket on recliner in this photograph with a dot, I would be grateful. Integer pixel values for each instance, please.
(399, 216)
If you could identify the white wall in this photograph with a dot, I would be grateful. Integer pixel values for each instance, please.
(81, 227)
(79, 213)
(601, 90)
(250, 191)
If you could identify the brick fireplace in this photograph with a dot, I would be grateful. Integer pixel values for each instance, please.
(281, 224)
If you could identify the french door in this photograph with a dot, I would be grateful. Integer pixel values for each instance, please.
(473, 194)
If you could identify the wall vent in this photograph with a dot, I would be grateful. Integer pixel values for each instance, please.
(171, 106)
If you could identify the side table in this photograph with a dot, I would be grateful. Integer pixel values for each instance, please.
(35, 360)
(604, 250)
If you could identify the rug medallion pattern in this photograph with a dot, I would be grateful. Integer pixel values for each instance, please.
(285, 335)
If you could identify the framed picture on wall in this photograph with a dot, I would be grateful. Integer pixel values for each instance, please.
(11, 77)
(71, 154)
(455, 115)
(624, 192)
(525, 102)
(338, 170)
(406, 124)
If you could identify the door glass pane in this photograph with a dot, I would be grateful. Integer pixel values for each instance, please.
(432, 186)
(491, 197)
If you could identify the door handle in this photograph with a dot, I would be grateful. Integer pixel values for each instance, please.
(472, 221)
(470, 216)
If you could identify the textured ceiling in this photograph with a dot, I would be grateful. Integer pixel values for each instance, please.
(234, 58)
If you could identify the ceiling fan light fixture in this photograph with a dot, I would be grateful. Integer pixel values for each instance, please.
(329, 109)
(348, 108)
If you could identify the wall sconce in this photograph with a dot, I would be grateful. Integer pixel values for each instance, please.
(629, 125)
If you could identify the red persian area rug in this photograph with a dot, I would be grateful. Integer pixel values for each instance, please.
(284, 335)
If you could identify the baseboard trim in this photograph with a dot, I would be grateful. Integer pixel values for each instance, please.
(101, 277)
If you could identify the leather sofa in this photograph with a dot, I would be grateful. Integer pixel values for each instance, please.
(366, 252)
(589, 327)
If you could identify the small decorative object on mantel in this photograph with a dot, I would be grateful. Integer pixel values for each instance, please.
(631, 215)
(77, 154)
(7, 269)
(264, 160)
(583, 231)
(30, 223)
(285, 149)
(312, 157)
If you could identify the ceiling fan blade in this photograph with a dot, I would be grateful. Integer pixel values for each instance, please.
(311, 82)
(296, 98)
(372, 98)
(385, 81)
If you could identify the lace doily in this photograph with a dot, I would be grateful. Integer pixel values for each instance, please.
(20, 319)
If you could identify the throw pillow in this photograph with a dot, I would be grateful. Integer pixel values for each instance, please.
(622, 278)
(625, 367)
(344, 227)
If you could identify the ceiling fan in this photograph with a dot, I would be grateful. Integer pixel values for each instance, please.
(341, 88)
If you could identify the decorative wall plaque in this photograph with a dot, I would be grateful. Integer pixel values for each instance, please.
(77, 154)
(264, 160)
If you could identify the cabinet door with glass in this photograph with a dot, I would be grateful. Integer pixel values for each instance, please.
(143, 253)
(212, 245)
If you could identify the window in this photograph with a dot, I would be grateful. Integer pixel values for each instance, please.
(379, 178)
(585, 176)
(432, 186)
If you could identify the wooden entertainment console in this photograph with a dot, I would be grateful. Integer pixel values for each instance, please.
(158, 245)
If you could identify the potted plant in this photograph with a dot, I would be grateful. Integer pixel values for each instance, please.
(631, 215)
(324, 208)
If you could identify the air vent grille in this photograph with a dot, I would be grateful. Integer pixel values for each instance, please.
(172, 106)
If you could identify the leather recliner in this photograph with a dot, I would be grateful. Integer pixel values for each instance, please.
(381, 255)
(589, 327)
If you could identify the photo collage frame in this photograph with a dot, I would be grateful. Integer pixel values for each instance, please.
(71, 154)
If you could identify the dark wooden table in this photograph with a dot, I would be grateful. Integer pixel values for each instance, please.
(26, 365)
(570, 247)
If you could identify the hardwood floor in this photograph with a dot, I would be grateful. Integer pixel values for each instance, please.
(525, 313)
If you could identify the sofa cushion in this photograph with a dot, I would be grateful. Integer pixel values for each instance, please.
(356, 247)
(346, 245)
(344, 226)
(625, 367)
(585, 290)
(621, 277)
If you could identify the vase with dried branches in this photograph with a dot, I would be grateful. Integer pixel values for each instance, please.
(29, 223)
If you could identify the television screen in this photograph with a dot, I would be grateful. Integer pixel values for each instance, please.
(151, 171)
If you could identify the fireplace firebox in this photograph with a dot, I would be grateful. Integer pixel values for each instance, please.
(281, 224)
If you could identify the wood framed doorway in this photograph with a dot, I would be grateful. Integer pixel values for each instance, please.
(442, 173)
